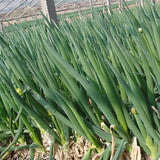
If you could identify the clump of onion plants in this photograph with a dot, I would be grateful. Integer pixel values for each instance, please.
(93, 71)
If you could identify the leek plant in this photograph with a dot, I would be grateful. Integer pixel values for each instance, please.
(93, 71)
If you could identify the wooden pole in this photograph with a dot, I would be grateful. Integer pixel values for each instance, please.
(109, 6)
(79, 11)
(120, 5)
(49, 10)
(91, 4)
(142, 3)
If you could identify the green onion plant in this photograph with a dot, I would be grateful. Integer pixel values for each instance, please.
(78, 75)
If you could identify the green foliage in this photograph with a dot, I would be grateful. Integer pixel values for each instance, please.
(78, 76)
